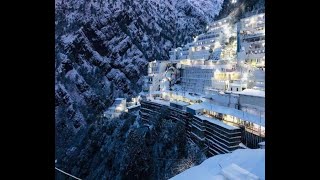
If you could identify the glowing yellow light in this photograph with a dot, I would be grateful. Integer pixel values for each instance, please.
(252, 20)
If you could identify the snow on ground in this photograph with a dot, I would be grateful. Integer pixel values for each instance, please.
(67, 39)
(251, 160)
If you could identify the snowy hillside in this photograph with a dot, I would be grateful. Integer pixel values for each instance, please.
(103, 46)
(106, 45)
(251, 160)
(124, 149)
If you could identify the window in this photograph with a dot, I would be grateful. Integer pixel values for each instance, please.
(231, 89)
(237, 89)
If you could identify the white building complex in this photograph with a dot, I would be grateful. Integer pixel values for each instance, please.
(121, 105)
(117, 108)
(220, 75)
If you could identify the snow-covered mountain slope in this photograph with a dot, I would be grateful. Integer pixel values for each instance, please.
(125, 149)
(251, 160)
(103, 46)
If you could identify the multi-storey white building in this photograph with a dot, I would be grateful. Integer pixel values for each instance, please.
(210, 45)
(251, 50)
(209, 63)
(117, 108)
(200, 76)
(156, 74)
(197, 79)
(180, 53)
(252, 40)
(221, 74)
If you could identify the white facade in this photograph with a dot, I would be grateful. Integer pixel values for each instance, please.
(252, 40)
(199, 76)
(210, 45)
(156, 73)
(259, 79)
(180, 53)
(237, 85)
(156, 67)
(252, 101)
(215, 80)
(196, 79)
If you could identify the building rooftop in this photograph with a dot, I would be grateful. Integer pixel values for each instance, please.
(251, 160)
(120, 99)
(252, 16)
(196, 106)
(217, 122)
(186, 95)
(252, 92)
(159, 101)
(229, 111)
(181, 103)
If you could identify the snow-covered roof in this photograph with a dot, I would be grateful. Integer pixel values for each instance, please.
(252, 92)
(181, 103)
(251, 160)
(196, 106)
(262, 143)
(234, 172)
(134, 106)
(155, 92)
(229, 111)
(186, 95)
(194, 98)
(163, 102)
(120, 99)
(217, 122)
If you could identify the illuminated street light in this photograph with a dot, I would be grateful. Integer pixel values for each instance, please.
(252, 20)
